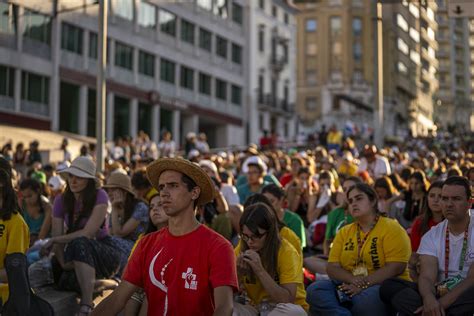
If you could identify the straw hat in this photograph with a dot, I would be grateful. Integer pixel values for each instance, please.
(82, 167)
(196, 173)
(119, 180)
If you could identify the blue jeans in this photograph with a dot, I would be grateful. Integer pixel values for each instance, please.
(322, 299)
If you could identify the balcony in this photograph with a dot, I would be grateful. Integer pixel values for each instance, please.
(277, 63)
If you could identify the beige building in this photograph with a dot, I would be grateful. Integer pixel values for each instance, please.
(336, 64)
(454, 104)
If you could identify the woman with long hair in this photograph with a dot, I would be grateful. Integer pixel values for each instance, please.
(129, 217)
(36, 210)
(364, 254)
(385, 191)
(268, 266)
(84, 251)
(431, 215)
(14, 235)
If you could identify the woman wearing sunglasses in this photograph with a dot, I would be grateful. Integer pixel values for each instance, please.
(269, 267)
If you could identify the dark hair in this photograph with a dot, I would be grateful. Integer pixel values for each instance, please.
(150, 227)
(302, 170)
(367, 190)
(353, 179)
(89, 195)
(386, 183)
(462, 181)
(427, 213)
(260, 216)
(256, 165)
(8, 196)
(260, 198)
(129, 206)
(406, 173)
(34, 186)
(274, 190)
(139, 179)
(420, 176)
(6, 166)
(190, 184)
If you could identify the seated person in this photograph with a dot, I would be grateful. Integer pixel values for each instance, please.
(364, 254)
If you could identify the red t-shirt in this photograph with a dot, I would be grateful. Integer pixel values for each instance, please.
(179, 274)
(415, 234)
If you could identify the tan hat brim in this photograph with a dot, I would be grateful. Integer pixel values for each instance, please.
(77, 172)
(196, 173)
(116, 186)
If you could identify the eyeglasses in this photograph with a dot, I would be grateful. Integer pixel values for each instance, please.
(252, 238)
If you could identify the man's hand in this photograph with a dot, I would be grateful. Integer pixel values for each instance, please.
(431, 307)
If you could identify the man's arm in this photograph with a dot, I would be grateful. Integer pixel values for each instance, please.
(463, 286)
(426, 285)
(223, 299)
(116, 301)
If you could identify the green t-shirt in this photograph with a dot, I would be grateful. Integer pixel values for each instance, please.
(244, 191)
(295, 223)
(336, 220)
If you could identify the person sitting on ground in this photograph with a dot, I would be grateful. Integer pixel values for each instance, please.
(446, 280)
(84, 252)
(364, 254)
(129, 217)
(14, 235)
(263, 258)
(185, 268)
(301, 193)
(255, 181)
(141, 185)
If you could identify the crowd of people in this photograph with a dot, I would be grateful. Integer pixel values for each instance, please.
(331, 229)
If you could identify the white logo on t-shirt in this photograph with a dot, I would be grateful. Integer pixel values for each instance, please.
(189, 279)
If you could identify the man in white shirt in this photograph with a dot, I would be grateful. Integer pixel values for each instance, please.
(376, 165)
(446, 282)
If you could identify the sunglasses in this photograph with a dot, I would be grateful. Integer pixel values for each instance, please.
(252, 238)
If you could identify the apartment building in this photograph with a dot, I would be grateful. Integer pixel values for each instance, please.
(176, 67)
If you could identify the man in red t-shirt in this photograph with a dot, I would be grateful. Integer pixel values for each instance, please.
(186, 268)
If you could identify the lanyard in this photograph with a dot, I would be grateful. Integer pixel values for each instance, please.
(463, 251)
(361, 243)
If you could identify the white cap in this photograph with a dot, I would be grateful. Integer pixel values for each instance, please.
(209, 164)
(56, 183)
(256, 160)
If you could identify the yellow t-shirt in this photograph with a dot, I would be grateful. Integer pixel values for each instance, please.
(387, 242)
(14, 237)
(289, 270)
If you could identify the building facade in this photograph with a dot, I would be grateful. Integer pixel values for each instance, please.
(455, 98)
(176, 67)
(336, 65)
(271, 77)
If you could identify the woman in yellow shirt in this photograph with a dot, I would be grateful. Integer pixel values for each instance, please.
(269, 268)
(363, 255)
(14, 233)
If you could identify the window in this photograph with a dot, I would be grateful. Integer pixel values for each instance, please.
(221, 47)
(147, 15)
(146, 63)
(205, 39)
(415, 35)
(402, 46)
(121, 116)
(93, 49)
(414, 10)
(274, 11)
(145, 116)
(236, 53)
(311, 49)
(187, 78)
(311, 104)
(236, 96)
(204, 84)
(187, 32)
(71, 38)
(205, 4)
(402, 23)
(335, 25)
(311, 77)
(357, 51)
(311, 25)
(415, 57)
(357, 27)
(261, 4)
(261, 38)
(286, 18)
(123, 56)
(430, 13)
(261, 88)
(237, 13)
(221, 89)
(37, 26)
(7, 81)
(167, 70)
(124, 9)
(8, 18)
(34, 88)
(431, 33)
(220, 8)
(167, 22)
(69, 107)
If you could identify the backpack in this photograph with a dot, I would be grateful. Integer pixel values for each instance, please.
(22, 300)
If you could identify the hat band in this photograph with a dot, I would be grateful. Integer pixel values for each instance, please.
(83, 170)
